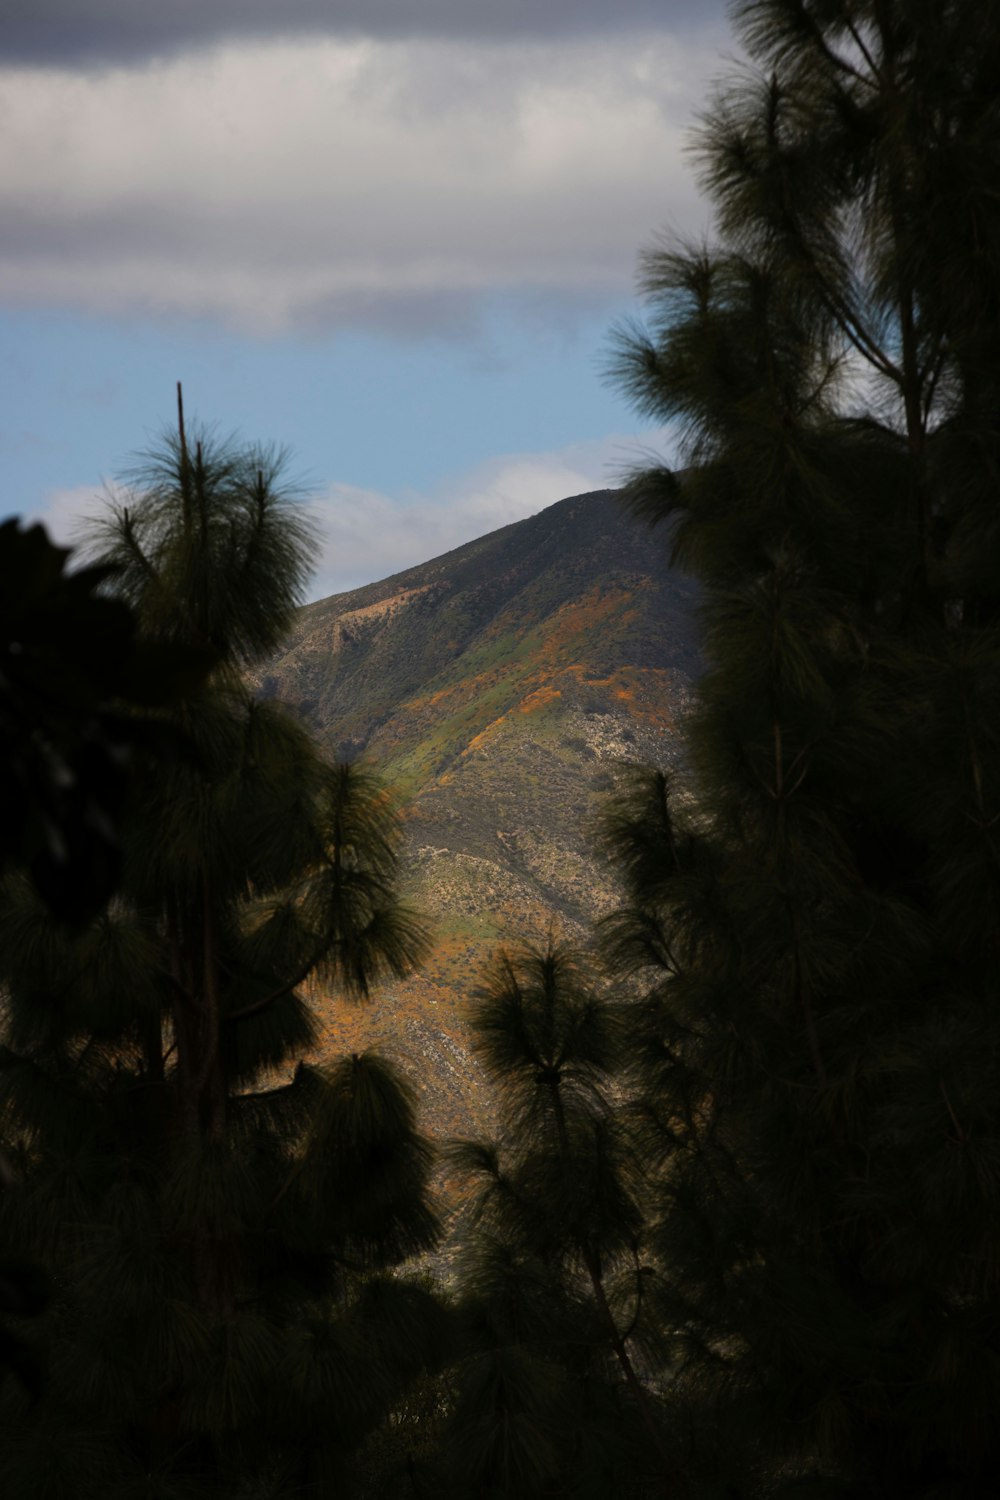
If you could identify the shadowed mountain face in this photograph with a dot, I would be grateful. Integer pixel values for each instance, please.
(498, 687)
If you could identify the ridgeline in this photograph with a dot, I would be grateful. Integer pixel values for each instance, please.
(499, 687)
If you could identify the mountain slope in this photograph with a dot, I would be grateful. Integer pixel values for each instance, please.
(499, 687)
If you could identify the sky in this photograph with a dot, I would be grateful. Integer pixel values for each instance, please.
(391, 236)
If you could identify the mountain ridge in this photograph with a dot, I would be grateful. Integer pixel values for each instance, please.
(500, 686)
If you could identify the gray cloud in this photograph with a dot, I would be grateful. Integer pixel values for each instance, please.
(398, 186)
(98, 32)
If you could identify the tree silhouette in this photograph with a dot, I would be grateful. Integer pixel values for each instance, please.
(74, 682)
(813, 912)
(74, 685)
(216, 1213)
(547, 1399)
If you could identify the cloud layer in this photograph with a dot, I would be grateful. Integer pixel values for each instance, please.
(309, 185)
(101, 31)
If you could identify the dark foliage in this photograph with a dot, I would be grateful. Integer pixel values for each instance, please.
(549, 1397)
(71, 669)
(814, 910)
(220, 1218)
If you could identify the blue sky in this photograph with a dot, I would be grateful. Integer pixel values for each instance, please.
(392, 237)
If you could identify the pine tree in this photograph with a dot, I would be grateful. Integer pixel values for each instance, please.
(220, 1217)
(550, 1396)
(67, 653)
(814, 905)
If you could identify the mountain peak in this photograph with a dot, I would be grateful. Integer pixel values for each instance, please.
(500, 686)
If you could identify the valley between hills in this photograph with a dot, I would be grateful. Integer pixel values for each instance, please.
(499, 688)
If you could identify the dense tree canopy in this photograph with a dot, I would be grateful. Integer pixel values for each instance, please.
(814, 912)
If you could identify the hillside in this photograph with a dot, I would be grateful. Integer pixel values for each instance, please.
(498, 686)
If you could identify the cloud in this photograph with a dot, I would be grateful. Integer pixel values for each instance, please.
(64, 513)
(369, 535)
(95, 32)
(304, 187)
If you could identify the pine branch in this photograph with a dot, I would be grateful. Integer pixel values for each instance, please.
(256, 1006)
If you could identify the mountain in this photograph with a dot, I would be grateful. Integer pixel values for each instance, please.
(499, 687)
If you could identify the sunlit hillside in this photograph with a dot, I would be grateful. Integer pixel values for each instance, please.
(499, 687)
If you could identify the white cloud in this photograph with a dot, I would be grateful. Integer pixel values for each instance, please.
(64, 513)
(314, 184)
(369, 535)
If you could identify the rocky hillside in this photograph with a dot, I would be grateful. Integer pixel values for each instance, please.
(499, 687)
